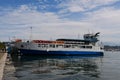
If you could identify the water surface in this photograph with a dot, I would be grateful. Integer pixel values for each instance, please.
(63, 67)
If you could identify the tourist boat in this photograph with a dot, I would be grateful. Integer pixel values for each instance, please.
(90, 45)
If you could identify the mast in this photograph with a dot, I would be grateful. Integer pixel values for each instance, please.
(31, 33)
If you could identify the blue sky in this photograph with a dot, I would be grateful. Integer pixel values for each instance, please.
(53, 19)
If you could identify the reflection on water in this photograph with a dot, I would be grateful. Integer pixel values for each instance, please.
(56, 67)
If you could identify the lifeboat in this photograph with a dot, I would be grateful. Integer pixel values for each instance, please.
(41, 41)
(18, 40)
(58, 42)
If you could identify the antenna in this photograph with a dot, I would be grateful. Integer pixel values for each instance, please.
(9, 38)
(88, 31)
(78, 36)
(14, 37)
(30, 33)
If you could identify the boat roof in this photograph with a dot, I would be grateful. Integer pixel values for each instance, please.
(75, 40)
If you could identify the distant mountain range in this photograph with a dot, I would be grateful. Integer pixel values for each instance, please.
(111, 48)
(111, 43)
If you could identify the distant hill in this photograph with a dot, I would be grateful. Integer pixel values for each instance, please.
(111, 48)
(112, 43)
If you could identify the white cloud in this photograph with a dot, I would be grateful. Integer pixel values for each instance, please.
(83, 5)
(107, 18)
(75, 9)
(45, 25)
(26, 15)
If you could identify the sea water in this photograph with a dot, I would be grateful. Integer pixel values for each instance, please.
(105, 67)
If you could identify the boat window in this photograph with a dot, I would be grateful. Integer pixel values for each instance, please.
(89, 47)
(102, 48)
(39, 45)
(73, 46)
(22, 46)
(57, 46)
(44, 45)
(82, 46)
(60, 45)
(52, 46)
(67, 46)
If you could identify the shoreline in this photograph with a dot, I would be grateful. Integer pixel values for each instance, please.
(2, 64)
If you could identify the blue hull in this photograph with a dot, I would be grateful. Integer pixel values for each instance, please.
(51, 53)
